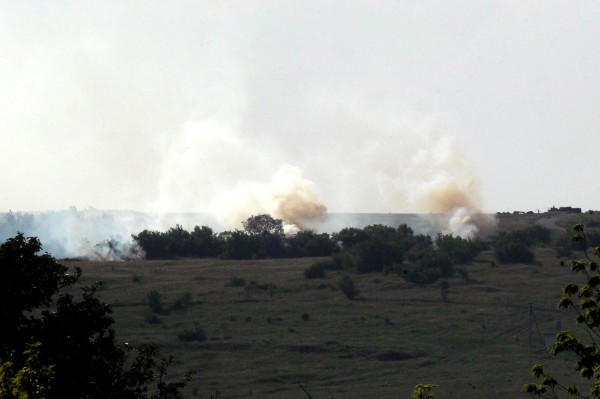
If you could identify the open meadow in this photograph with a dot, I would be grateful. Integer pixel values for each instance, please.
(269, 330)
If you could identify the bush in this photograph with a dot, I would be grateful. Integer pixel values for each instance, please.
(513, 252)
(563, 245)
(318, 268)
(155, 301)
(432, 266)
(376, 254)
(348, 287)
(344, 260)
(461, 250)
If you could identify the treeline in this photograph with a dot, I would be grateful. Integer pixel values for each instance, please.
(419, 258)
(262, 237)
(376, 248)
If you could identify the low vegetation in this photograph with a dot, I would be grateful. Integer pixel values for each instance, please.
(350, 323)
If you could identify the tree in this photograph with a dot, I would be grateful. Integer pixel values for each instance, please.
(69, 341)
(584, 299)
(32, 381)
(260, 224)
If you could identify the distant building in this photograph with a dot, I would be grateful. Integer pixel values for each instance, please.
(565, 209)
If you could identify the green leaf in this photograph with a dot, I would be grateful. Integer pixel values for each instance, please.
(537, 370)
(570, 289)
(573, 390)
(565, 302)
(577, 266)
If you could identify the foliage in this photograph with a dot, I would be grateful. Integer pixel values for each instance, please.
(348, 287)
(238, 245)
(316, 270)
(200, 242)
(32, 381)
(531, 235)
(430, 267)
(51, 330)
(377, 253)
(461, 250)
(584, 299)
(423, 391)
(308, 243)
(263, 224)
(514, 246)
(155, 302)
(513, 252)
(563, 244)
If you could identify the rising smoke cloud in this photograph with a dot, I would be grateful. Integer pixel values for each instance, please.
(230, 122)
(287, 196)
(443, 183)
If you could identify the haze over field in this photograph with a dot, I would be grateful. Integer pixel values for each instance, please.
(297, 109)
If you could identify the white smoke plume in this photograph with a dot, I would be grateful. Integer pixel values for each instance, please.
(287, 196)
(442, 182)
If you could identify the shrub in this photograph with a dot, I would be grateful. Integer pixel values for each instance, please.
(563, 245)
(461, 250)
(513, 252)
(348, 287)
(318, 268)
(344, 260)
(375, 254)
(155, 301)
(430, 267)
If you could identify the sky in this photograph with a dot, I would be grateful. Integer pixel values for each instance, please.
(355, 106)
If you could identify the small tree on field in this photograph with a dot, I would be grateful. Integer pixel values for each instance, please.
(584, 299)
(348, 287)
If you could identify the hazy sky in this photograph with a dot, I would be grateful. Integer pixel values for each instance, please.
(369, 105)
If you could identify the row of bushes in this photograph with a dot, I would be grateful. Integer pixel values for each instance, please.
(417, 257)
(237, 244)
(376, 248)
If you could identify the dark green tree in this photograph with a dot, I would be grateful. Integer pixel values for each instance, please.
(72, 336)
(260, 224)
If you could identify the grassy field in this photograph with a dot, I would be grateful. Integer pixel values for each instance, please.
(279, 330)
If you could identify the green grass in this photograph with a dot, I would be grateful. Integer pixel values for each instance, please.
(380, 345)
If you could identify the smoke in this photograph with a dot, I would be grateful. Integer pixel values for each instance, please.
(287, 195)
(442, 182)
(225, 114)
(470, 223)
(91, 233)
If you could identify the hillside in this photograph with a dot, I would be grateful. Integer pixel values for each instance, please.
(276, 330)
